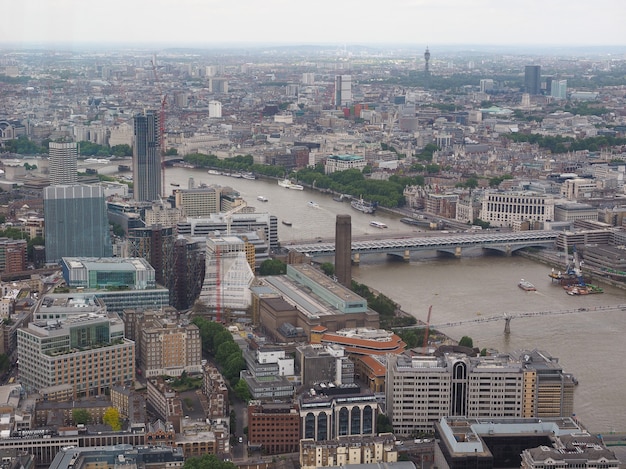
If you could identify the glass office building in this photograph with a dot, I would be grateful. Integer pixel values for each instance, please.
(76, 222)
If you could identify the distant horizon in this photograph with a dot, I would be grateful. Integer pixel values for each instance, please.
(218, 24)
(530, 49)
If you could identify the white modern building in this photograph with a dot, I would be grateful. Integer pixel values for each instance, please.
(228, 274)
(215, 109)
(508, 209)
(336, 163)
(343, 90)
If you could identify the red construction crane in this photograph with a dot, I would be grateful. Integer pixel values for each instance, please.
(427, 329)
(161, 124)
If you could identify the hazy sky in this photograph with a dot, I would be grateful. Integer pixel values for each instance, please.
(420, 22)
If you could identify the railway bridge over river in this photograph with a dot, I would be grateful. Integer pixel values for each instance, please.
(454, 244)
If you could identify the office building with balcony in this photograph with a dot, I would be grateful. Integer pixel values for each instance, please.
(87, 351)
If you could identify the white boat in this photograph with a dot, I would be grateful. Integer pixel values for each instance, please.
(363, 206)
(287, 184)
(262, 198)
(312, 204)
(377, 224)
(526, 285)
(212, 171)
(249, 176)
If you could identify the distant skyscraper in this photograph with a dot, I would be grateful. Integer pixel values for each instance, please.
(427, 67)
(343, 90)
(532, 79)
(63, 166)
(558, 89)
(76, 222)
(486, 84)
(343, 250)
(146, 157)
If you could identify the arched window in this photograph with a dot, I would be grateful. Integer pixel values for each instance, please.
(322, 426)
(309, 425)
(343, 421)
(355, 421)
(368, 419)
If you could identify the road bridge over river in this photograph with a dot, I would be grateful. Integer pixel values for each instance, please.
(453, 244)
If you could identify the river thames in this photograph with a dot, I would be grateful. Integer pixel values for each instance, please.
(588, 344)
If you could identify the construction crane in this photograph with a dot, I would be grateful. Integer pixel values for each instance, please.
(218, 261)
(163, 98)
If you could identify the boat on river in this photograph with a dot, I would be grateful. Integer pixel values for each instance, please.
(526, 285)
(377, 224)
(363, 206)
(312, 204)
(262, 198)
(287, 184)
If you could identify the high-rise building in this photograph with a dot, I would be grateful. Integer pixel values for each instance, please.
(63, 162)
(427, 67)
(486, 84)
(558, 89)
(343, 250)
(343, 90)
(76, 222)
(532, 79)
(146, 157)
(228, 274)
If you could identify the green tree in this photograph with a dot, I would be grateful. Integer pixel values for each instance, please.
(207, 461)
(466, 342)
(242, 391)
(226, 350)
(383, 425)
(328, 268)
(111, 417)
(273, 267)
(81, 416)
(121, 150)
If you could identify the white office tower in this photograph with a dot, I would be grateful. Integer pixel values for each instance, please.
(343, 90)
(228, 274)
(63, 163)
(215, 110)
(308, 78)
(558, 90)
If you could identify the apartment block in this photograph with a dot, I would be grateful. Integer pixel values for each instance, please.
(345, 450)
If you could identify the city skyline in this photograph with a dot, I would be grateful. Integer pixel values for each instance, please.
(209, 23)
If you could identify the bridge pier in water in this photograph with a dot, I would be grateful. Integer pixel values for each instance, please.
(407, 255)
(507, 325)
(356, 259)
(458, 251)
